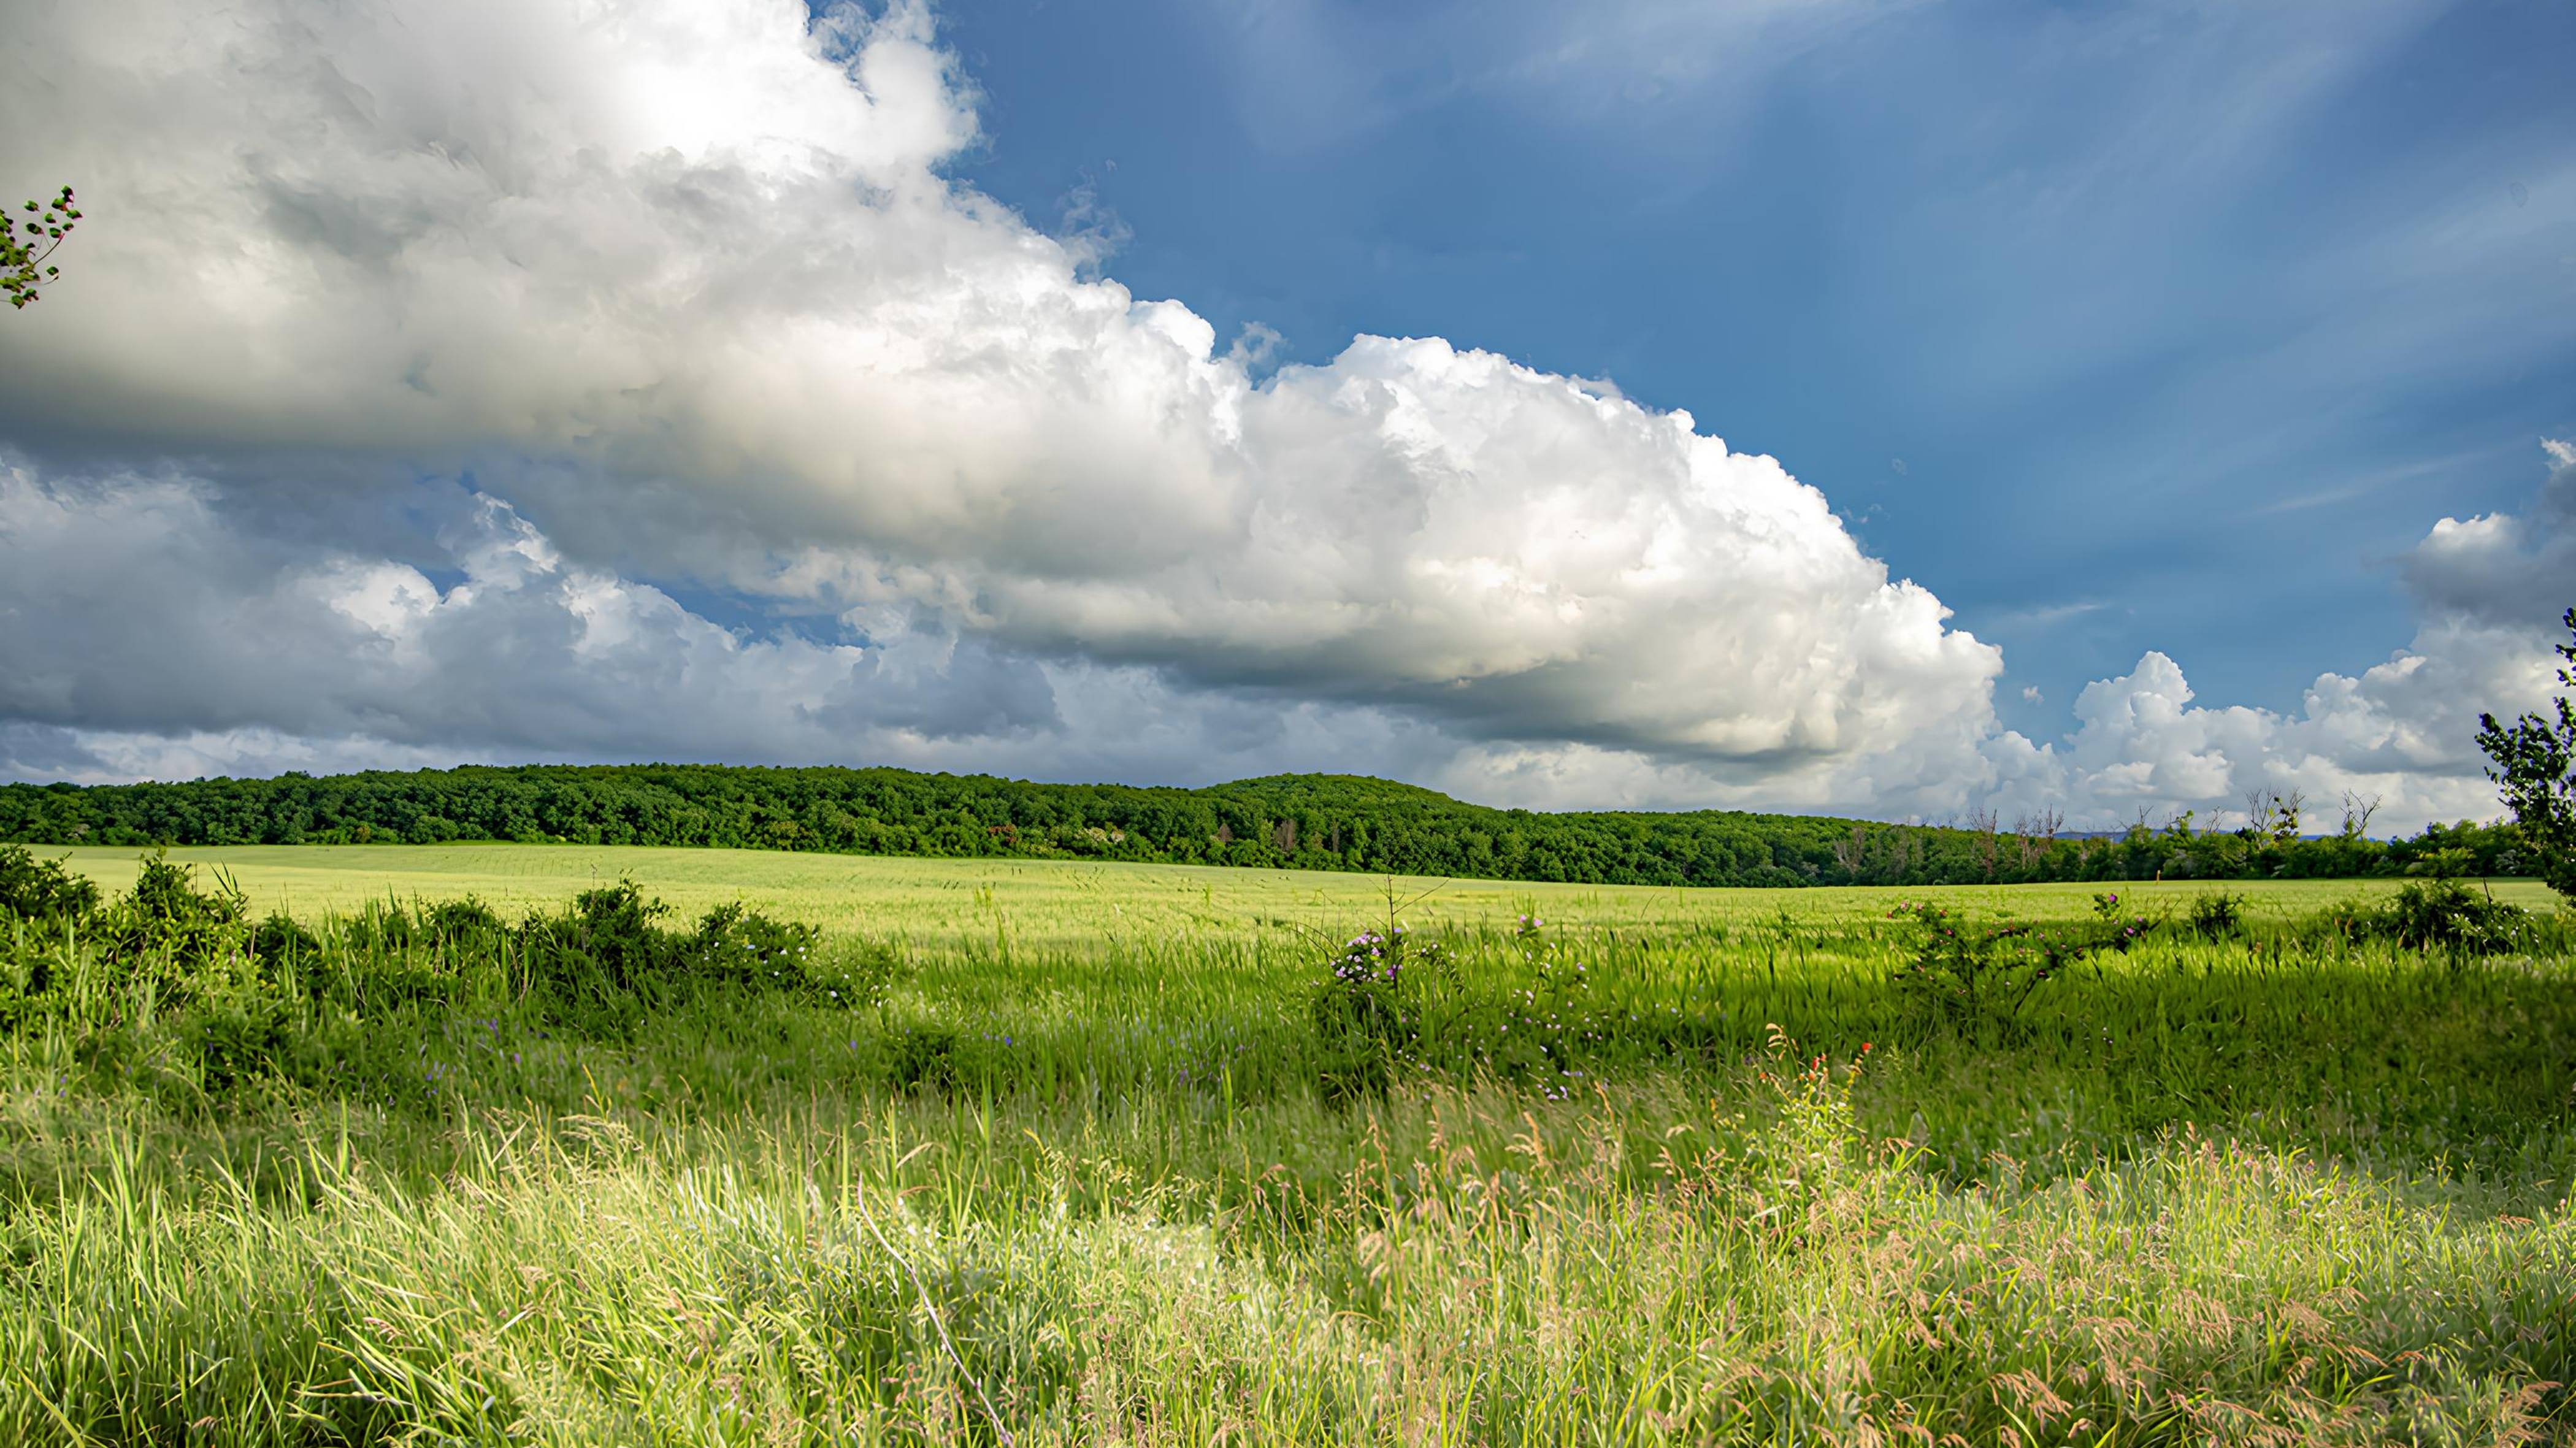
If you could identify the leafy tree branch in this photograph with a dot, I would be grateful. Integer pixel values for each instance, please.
(2533, 761)
(26, 245)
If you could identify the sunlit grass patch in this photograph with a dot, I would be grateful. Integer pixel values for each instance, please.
(1639, 1265)
(1681, 1173)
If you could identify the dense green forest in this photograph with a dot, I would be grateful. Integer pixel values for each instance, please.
(1316, 822)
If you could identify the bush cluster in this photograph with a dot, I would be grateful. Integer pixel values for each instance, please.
(1368, 1011)
(2443, 915)
(1389, 1003)
(1993, 968)
(2219, 916)
(187, 964)
(1976, 969)
(1389, 1000)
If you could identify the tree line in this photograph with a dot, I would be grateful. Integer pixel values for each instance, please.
(1318, 822)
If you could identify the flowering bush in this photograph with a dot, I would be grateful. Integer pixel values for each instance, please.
(1367, 1010)
(1544, 1028)
(748, 949)
(1390, 1000)
(2123, 933)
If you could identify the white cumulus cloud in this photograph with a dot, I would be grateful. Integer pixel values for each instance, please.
(673, 305)
(2488, 593)
(693, 266)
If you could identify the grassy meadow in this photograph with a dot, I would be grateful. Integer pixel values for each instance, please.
(1061, 1153)
(1072, 902)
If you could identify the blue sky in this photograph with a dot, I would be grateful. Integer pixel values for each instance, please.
(1879, 408)
(2120, 326)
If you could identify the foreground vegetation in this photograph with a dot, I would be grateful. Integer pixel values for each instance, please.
(1100, 1153)
(1302, 822)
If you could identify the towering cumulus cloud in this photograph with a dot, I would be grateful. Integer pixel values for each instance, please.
(454, 378)
(688, 270)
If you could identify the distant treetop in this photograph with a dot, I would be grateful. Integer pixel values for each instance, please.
(1291, 821)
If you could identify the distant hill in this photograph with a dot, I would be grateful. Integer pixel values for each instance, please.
(1294, 821)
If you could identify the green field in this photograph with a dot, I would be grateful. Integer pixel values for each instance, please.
(1674, 1167)
(1067, 902)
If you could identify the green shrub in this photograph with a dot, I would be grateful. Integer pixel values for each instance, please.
(189, 984)
(2444, 914)
(237, 1028)
(466, 923)
(166, 915)
(1367, 1012)
(2432, 914)
(1971, 969)
(2218, 917)
(2119, 932)
(35, 889)
(925, 1059)
(609, 935)
(279, 944)
(741, 948)
(854, 975)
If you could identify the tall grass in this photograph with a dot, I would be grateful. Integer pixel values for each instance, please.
(2298, 1184)
(1462, 1266)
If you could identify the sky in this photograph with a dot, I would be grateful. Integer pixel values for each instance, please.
(1883, 408)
